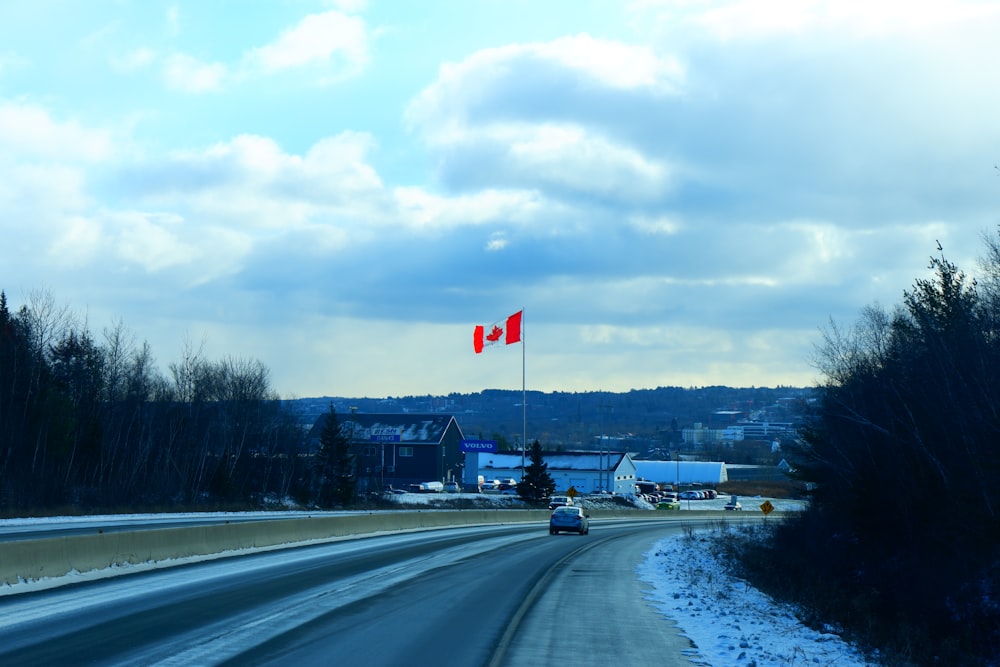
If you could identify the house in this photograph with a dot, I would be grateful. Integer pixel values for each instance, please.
(585, 471)
(400, 450)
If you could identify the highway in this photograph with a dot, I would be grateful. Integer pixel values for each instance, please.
(491, 596)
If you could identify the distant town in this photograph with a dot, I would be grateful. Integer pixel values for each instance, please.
(738, 425)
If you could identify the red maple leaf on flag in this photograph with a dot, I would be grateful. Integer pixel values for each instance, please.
(494, 335)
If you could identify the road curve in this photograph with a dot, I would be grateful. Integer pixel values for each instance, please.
(484, 596)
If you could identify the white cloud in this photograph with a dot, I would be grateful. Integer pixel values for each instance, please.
(419, 208)
(185, 73)
(153, 241)
(612, 64)
(78, 242)
(738, 20)
(496, 242)
(30, 186)
(332, 46)
(655, 225)
(317, 40)
(250, 182)
(342, 160)
(29, 132)
(571, 157)
(491, 78)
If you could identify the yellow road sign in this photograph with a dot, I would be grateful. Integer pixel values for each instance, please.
(572, 493)
(766, 507)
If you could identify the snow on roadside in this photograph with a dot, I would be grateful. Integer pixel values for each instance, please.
(730, 622)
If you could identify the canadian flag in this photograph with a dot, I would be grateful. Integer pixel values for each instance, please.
(506, 332)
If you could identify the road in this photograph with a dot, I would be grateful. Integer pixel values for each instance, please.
(491, 596)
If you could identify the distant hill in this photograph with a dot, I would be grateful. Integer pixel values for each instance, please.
(645, 419)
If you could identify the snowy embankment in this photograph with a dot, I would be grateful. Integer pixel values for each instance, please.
(730, 622)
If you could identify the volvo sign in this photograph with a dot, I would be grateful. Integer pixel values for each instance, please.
(479, 446)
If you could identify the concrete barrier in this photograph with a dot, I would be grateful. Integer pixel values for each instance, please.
(29, 560)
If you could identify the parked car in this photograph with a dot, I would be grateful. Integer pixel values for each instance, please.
(490, 484)
(431, 487)
(559, 501)
(668, 505)
(569, 518)
(452, 487)
(507, 484)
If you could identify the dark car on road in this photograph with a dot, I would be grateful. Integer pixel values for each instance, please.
(570, 519)
(559, 501)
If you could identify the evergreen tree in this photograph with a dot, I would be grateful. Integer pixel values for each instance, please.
(909, 412)
(537, 484)
(335, 464)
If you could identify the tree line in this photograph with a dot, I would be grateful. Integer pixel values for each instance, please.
(900, 545)
(95, 423)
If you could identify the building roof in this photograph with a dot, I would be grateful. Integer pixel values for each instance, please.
(416, 429)
(555, 460)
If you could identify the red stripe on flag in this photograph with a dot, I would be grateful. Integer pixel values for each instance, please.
(477, 338)
(514, 328)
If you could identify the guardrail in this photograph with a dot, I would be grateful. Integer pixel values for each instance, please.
(29, 560)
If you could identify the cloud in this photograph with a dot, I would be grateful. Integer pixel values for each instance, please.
(185, 73)
(543, 81)
(330, 47)
(543, 115)
(759, 20)
(422, 209)
(29, 132)
(333, 41)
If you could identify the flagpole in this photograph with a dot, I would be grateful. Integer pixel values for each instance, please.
(524, 399)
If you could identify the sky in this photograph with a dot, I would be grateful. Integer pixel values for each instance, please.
(676, 193)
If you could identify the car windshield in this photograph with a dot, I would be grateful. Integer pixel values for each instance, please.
(566, 510)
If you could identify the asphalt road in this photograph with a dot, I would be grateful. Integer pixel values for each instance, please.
(499, 595)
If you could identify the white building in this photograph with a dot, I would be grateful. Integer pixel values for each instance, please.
(587, 472)
(683, 472)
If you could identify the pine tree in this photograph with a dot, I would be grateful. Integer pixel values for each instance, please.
(537, 484)
(335, 464)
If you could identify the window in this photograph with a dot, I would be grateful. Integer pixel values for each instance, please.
(406, 451)
(369, 451)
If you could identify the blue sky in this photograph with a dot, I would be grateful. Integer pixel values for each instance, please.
(676, 193)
